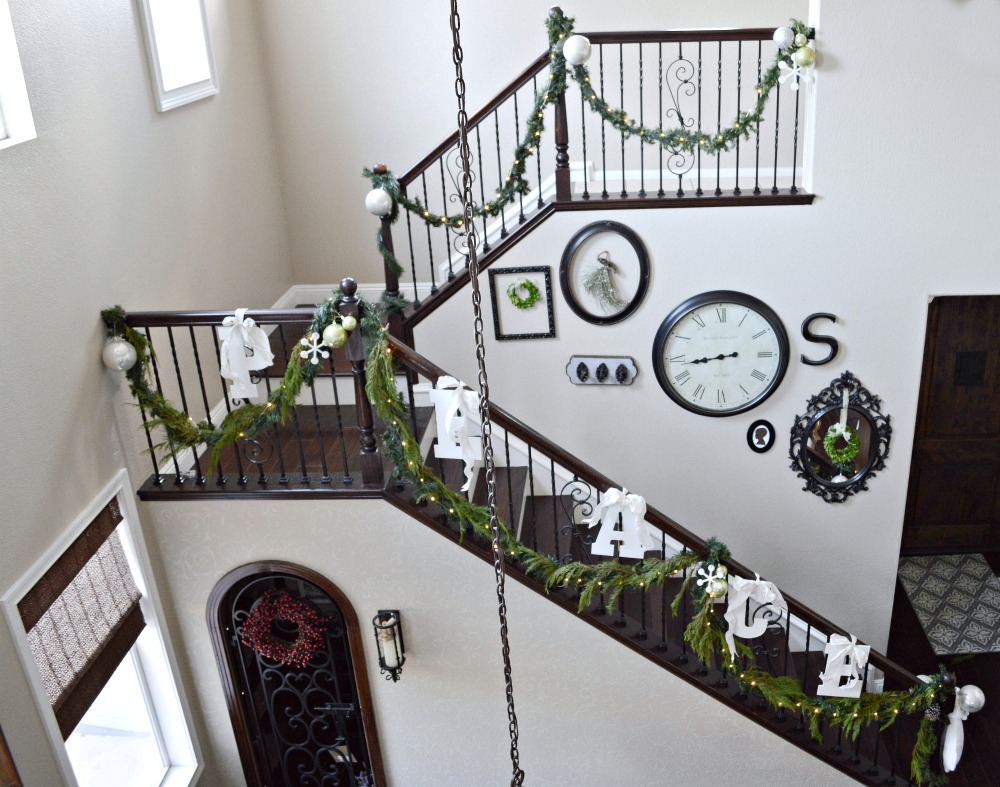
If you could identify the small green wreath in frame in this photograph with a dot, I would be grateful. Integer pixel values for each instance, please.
(841, 456)
(529, 300)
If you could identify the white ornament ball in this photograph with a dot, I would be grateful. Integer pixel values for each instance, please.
(576, 50)
(971, 698)
(348, 323)
(804, 56)
(334, 336)
(378, 202)
(784, 37)
(801, 39)
(118, 354)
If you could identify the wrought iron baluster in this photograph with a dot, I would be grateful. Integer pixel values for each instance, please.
(698, 192)
(662, 644)
(718, 127)
(447, 230)
(500, 181)
(517, 142)
(430, 245)
(204, 394)
(340, 420)
(659, 48)
(531, 492)
(893, 758)
(680, 119)
(282, 478)
(777, 127)
(178, 478)
(510, 489)
(683, 658)
(621, 622)
(538, 149)
(756, 169)
(482, 188)
(555, 514)
(583, 131)
(800, 726)
(621, 103)
(413, 259)
(199, 476)
(157, 477)
(241, 479)
(795, 139)
(739, 94)
(295, 415)
(604, 147)
(319, 436)
(642, 122)
(643, 633)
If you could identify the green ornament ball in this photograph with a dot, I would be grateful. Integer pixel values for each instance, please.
(334, 336)
(349, 323)
(800, 39)
(805, 56)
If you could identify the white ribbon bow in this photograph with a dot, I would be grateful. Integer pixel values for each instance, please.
(849, 648)
(466, 401)
(741, 593)
(245, 348)
(633, 512)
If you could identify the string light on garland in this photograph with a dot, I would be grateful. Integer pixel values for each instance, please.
(531, 297)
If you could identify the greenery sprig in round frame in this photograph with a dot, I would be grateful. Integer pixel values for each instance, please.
(846, 455)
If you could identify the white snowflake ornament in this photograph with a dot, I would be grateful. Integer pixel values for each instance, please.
(314, 344)
(795, 73)
(712, 579)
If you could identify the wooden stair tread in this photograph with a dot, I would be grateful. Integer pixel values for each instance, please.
(509, 486)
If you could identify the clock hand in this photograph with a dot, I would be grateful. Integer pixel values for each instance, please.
(718, 357)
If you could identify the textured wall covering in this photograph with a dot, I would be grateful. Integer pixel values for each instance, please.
(590, 710)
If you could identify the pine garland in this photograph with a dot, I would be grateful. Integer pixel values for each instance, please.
(705, 633)
(560, 27)
(250, 419)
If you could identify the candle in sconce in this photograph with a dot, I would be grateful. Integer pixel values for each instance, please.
(389, 644)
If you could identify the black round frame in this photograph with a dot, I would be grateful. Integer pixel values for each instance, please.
(566, 265)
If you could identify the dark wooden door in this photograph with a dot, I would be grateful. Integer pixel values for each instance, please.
(953, 501)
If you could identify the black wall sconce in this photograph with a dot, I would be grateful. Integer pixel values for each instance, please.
(389, 640)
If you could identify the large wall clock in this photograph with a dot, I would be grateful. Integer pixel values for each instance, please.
(720, 353)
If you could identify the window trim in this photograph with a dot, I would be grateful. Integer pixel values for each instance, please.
(16, 123)
(153, 648)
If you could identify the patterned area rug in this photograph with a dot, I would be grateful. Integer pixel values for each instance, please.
(957, 599)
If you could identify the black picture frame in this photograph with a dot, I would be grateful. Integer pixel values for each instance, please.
(761, 442)
(499, 300)
(569, 272)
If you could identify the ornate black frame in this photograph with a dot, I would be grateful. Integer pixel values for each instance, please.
(859, 399)
(546, 271)
(566, 265)
(696, 302)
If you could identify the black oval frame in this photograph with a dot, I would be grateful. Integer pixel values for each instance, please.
(566, 263)
(697, 301)
(873, 448)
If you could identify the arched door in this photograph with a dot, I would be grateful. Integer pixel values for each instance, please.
(295, 725)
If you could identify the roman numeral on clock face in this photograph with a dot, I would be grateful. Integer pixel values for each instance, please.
(720, 396)
(676, 359)
(759, 334)
(765, 354)
(699, 392)
(758, 375)
(721, 312)
(683, 377)
(697, 319)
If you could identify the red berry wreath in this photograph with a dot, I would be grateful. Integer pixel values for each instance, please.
(258, 631)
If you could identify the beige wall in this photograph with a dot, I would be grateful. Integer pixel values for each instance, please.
(113, 203)
(588, 708)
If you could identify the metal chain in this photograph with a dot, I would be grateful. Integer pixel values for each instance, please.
(484, 389)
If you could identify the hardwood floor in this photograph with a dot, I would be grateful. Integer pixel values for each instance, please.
(909, 646)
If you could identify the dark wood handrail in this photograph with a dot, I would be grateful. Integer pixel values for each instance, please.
(449, 142)
(598, 480)
(181, 319)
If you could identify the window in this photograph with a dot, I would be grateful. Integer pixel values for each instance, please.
(88, 628)
(180, 51)
(16, 124)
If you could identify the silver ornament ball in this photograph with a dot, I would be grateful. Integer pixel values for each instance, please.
(378, 202)
(971, 698)
(118, 354)
(784, 37)
(576, 50)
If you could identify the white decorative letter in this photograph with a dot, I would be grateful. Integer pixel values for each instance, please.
(245, 348)
(635, 537)
(845, 658)
(454, 406)
(746, 624)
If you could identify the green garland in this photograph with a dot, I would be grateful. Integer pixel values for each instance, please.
(705, 632)
(841, 457)
(527, 301)
(247, 420)
(677, 140)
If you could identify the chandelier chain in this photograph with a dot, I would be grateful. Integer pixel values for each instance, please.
(484, 390)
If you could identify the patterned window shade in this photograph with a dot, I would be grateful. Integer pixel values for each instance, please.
(82, 618)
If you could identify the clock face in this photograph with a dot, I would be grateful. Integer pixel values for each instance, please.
(720, 353)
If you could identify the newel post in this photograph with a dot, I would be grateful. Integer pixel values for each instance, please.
(391, 280)
(371, 462)
(564, 190)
